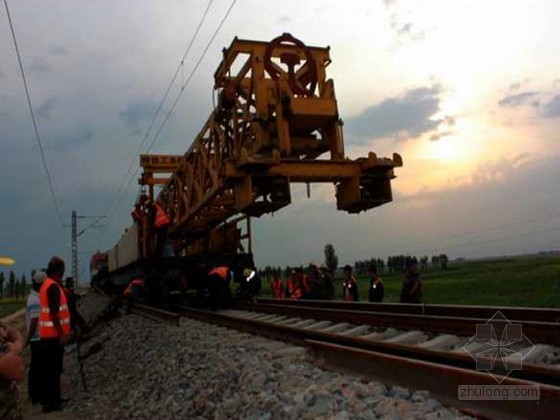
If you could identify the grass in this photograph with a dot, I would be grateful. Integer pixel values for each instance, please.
(11, 305)
(515, 281)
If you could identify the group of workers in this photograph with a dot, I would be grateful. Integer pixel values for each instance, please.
(317, 284)
(215, 287)
(51, 319)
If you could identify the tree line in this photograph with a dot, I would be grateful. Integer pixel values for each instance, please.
(397, 263)
(393, 264)
(15, 287)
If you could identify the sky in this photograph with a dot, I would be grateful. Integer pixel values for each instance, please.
(467, 92)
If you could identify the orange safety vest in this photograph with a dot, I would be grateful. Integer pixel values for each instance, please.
(347, 286)
(220, 271)
(294, 289)
(276, 286)
(46, 325)
(161, 217)
(135, 282)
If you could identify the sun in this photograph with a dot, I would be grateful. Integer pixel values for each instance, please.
(445, 148)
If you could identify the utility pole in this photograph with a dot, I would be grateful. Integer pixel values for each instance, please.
(74, 247)
(75, 235)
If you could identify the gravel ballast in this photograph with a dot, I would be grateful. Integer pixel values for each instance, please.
(141, 369)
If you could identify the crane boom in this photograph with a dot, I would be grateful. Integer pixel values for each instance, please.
(276, 116)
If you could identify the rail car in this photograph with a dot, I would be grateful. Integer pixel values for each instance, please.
(276, 122)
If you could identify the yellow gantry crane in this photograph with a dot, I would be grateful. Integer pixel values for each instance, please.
(276, 122)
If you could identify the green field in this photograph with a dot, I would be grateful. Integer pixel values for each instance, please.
(10, 305)
(515, 281)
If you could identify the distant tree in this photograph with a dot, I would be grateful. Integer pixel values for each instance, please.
(12, 284)
(24, 286)
(443, 259)
(2, 280)
(331, 259)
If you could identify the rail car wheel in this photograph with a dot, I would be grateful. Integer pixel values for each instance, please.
(302, 80)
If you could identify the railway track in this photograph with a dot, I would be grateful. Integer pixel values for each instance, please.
(392, 356)
(443, 319)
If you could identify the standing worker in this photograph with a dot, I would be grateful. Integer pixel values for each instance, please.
(327, 282)
(250, 285)
(376, 287)
(161, 225)
(349, 285)
(412, 285)
(32, 311)
(316, 282)
(293, 288)
(304, 283)
(276, 286)
(54, 332)
(218, 287)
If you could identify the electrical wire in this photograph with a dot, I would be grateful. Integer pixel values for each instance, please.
(124, 185)
(163, 99)
(37, 136)
(191, 75)
(183, 87)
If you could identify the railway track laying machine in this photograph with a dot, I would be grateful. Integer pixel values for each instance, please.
(276, 122)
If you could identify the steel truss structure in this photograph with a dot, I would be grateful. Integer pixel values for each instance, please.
(275, 119)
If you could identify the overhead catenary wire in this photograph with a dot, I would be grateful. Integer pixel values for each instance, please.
(156, 113)
(183, 87)
(125, 185)
(33, 119)
(176, 101)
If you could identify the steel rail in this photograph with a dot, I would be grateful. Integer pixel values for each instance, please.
(156, 313)
(536, 331)
(439, 371)
(512, 313)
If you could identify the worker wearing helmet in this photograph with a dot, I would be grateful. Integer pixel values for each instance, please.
(250, 285)
(349, 285)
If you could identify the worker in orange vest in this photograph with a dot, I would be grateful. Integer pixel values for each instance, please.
(135, 289)
(304, 283)
(161, 225)
(349, 285)
(276, 286)
(293, 288)
(54, 332)
(218, 287)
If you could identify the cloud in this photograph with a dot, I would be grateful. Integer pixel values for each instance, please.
(2, 74)
(408, 115)
(552, 108)
(406, 30)
(135, 113)
(518, 99)
(283, 19)
(439, 135)
(39, 66)
(44, 110)
(81, 134)
(57, 50)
